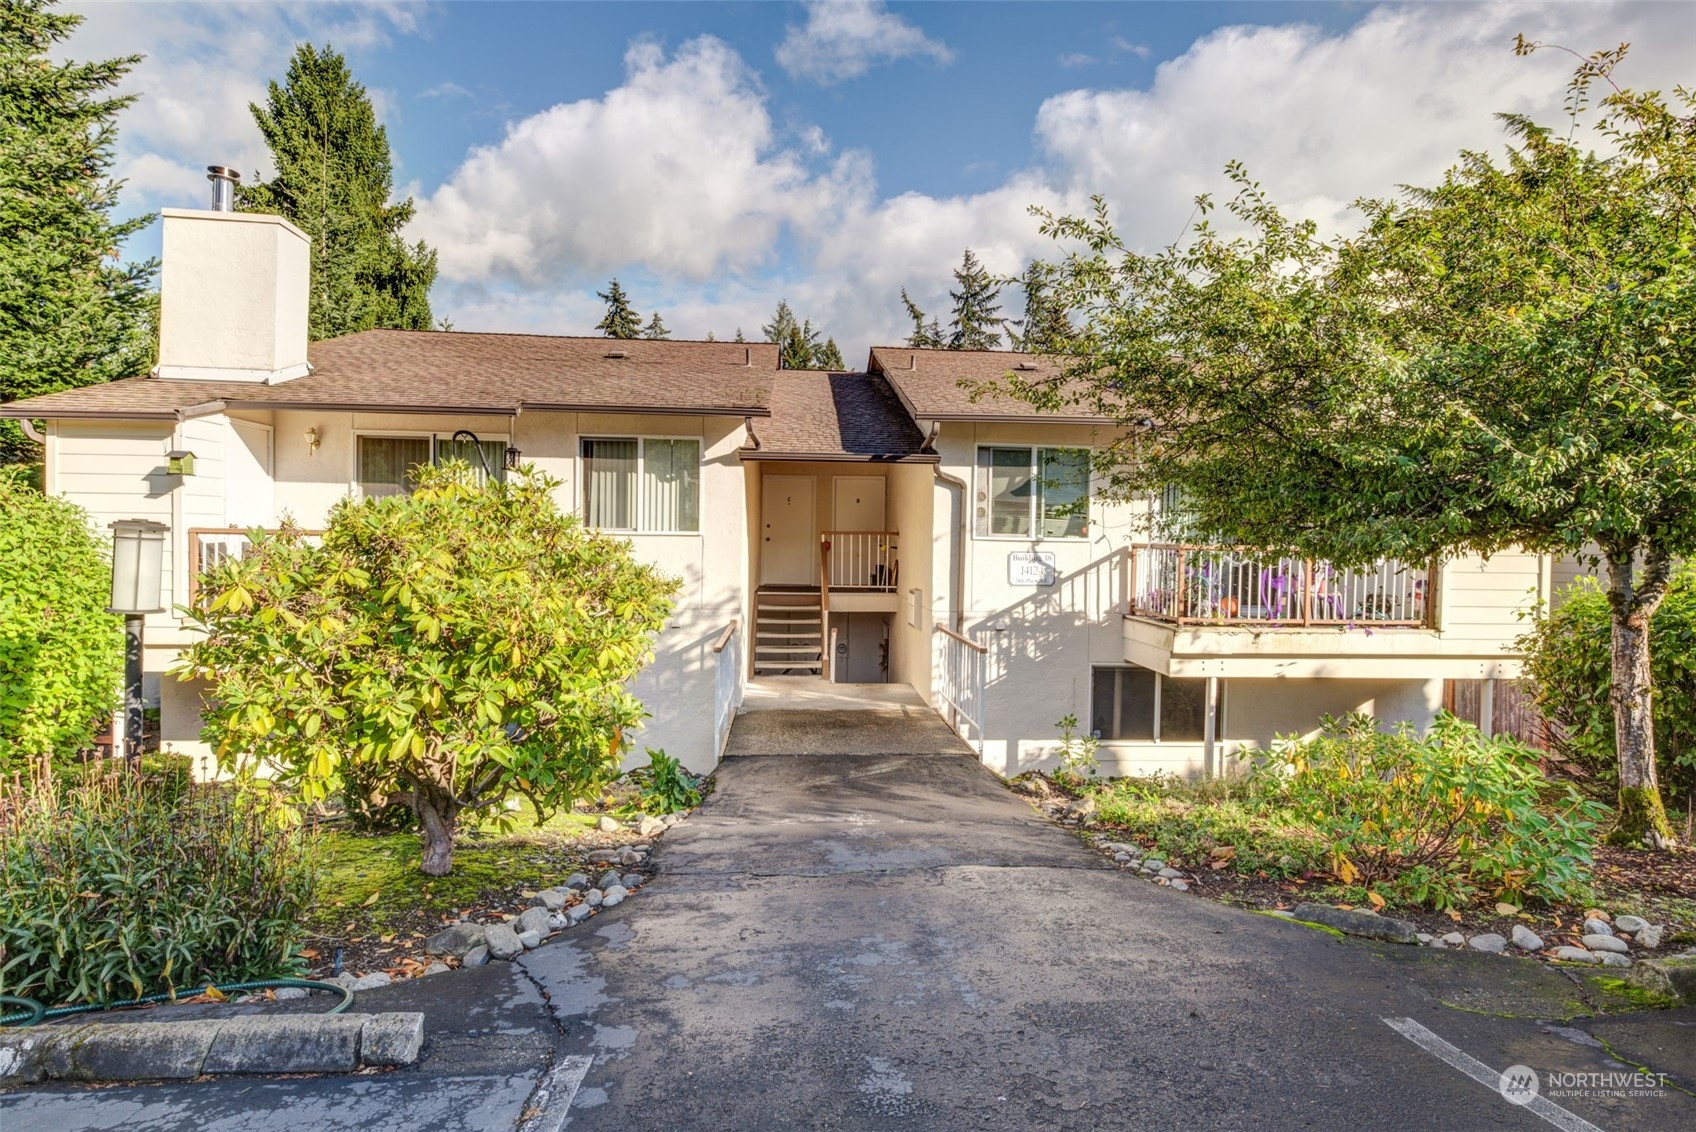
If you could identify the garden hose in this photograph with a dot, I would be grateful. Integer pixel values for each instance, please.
(34, 1012)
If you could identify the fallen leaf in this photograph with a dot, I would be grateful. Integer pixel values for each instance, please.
(1221, 865)
(1224, 853)
(215, 994)
(1376, 900)
(390, 938)
(1454, 915)
(1503, 908)
(372, 899)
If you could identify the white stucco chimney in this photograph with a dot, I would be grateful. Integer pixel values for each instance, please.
(232, 294)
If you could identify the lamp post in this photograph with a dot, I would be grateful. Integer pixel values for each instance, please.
(138, 559)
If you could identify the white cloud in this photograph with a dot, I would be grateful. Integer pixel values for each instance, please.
(1076, 59)
(445, 90)
(203, 65)
(679, 169)
(843, 39)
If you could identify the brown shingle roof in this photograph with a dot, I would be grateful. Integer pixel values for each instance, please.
(929, 383)
(426, 371)
(836, 416)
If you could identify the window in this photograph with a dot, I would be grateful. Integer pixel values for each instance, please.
(1128, 703)
(388, 464)
(650, 484)
(1033, 491)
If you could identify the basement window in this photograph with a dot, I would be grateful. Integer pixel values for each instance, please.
(1130, 702)
(645, 484)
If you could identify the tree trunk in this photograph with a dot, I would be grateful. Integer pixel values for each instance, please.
(1641, 819)
(437, 811)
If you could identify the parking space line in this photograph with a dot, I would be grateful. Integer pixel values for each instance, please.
(1484, 1075)
(550, 1102)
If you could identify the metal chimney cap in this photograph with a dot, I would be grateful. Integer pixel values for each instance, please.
(221, 173)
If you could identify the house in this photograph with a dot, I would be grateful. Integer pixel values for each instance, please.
(880, 526)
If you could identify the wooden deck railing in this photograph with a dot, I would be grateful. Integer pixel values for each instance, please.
(1189, 585)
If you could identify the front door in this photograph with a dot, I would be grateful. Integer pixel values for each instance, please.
(858, 503)
(789, 545)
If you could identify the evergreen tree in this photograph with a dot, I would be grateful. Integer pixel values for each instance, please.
(925, 336)
(711, 337)
(656, 328)
(977, 316)
(334, 181)
(829, 357)
(739, 337)
(621, 320)
(1047, 326)
(69, 314)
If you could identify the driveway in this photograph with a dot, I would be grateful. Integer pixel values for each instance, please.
(885, 938)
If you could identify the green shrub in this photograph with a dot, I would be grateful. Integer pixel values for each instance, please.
(1437, 820)
(121, 887)
(663, 786)
(1568, 667)
(61, 653)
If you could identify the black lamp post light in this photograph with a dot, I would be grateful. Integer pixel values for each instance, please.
(138, 569)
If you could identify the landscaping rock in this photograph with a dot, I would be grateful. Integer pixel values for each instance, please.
(1180, 886)
(1153, 863)
(391, 1039)
(613, 896)
(136, 1051)
(1598, 942)
(502, 942)
(1170, 874)
(436, 969)
(476, 957)
(1575, 955)
(1632, 924)
(290, 994)
(1650, 936)
(608, 825)
(1594, 926)
(551, 899)
(1488, 941)
(532, 920)
(1354, 922)
(1081, 807)
(1454, 939)
(577, 913)
(1525, 939)
(592, 898)
(608, 879)
(371, 982)
(530, 940)
(1122, 857)
(577, 882)
(455, 940)
(1426, 938)
(632, 857)
(633, 880)
(649, 826)
(604, 855)
(1614, 959)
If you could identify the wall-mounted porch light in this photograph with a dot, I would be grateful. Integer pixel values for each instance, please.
(179, 463)
(138, 561)
(512, 455)
(313, 440)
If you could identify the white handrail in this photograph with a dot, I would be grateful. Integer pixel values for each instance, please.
(727, 684)
(961, 677)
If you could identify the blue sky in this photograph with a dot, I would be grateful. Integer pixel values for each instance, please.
(717, 157)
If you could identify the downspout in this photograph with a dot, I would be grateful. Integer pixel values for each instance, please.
(31, 431)
(959, 490)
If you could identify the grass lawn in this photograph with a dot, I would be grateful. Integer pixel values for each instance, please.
(374, 903)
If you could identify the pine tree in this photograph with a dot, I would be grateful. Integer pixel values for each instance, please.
(335, 178)
(69, 314)
(621, 319)
(1047, 326)
(924, 336)
(656, 328)
(829, 357)
(711, 337)
(739, 337)
(977, 316)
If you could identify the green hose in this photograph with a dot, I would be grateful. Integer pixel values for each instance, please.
(34, 1012)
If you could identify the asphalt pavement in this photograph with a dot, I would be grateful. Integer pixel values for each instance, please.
(879, 937)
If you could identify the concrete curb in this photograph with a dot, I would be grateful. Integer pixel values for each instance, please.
(149, 1051)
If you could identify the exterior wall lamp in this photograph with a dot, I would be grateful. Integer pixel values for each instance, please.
(512, 455)
(313, 440)
(138, 570)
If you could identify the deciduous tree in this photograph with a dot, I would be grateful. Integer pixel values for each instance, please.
(455, 646)
(1502, 360)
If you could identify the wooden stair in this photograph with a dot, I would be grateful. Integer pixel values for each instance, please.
(788, 633)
